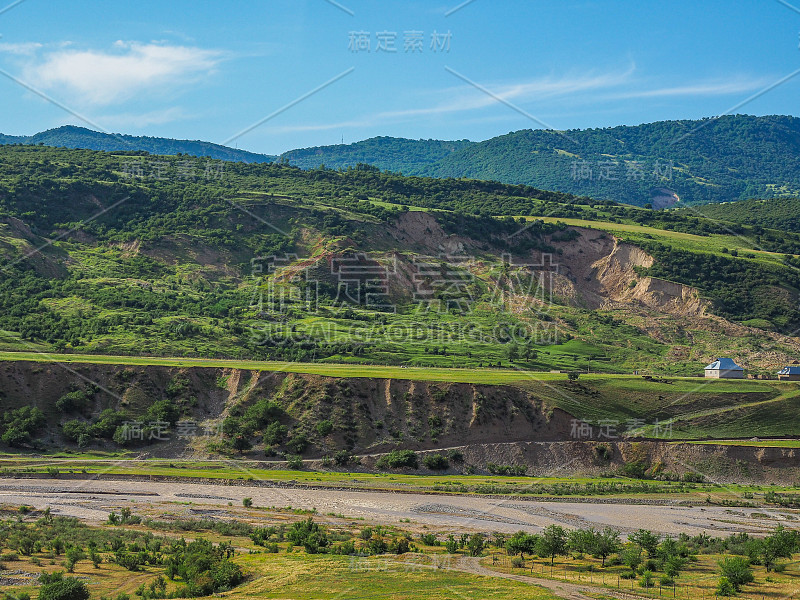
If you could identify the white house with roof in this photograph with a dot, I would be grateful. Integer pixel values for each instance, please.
(724, 368)
(790, 373)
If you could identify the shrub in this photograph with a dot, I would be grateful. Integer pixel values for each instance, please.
(456, 456)
(247, 502)
(294, 462)
(298, 443)
(308, 534)
(324, 427)
(725, 587)
(436, 462)
(736, 569)
(57, 587)
(274, 434)
(342, 457)
(398, 459)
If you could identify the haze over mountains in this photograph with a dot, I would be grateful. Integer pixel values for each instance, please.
(693, 162)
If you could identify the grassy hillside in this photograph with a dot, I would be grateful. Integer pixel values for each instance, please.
(128, 254)
(783, 213)
(241, 408)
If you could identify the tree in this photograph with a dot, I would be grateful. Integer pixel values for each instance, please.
(73, 554)
(646, 540)
(241, 443)
(521, 543)
(780, 544)
(605, 543)
(475, 545)
(725, 587)
(736, 569)
(647, 579)
(580, 540)
(553, 542)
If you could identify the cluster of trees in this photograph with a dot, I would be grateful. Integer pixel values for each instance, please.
(646, 553)
(741, 289)
(740, 155)
(18, 426)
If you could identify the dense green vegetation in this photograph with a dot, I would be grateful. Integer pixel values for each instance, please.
(733, 157)
(782, 214)
(388, 154)
(170, 256)
(70, 136)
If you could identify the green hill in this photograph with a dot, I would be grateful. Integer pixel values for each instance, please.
(130, 254)
(389, 154)
(70, 136)
(782, 213)
(702, 161)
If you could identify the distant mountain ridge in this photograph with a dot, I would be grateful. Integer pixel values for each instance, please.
(70, 136)
(400, 155)
(707, 161)
(703, 161)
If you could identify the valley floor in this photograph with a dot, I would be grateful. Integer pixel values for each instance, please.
(93, 500)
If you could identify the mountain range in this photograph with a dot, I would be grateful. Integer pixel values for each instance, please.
(661, 164)
(70, 136)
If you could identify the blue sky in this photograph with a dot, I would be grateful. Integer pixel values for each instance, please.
(212, 70)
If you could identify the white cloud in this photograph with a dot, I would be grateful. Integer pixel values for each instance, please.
(712, 88)
(465, 98)
(575, 89)
(131, 68)
(23, 49)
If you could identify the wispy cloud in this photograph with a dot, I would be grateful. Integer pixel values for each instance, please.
(103, 77)
(24, 49)
(576, 89)
(712, 88)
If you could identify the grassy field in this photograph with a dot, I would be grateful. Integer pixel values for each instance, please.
(698, 581)
(426, 570)
(751, 443)
(711, 244)
(310, 578)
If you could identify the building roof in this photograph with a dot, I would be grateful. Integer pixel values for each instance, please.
(724, 364)
(790, 370)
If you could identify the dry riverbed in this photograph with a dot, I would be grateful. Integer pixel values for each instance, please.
(93, 500)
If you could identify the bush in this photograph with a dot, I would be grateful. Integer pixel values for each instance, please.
(274, 434)
(456, 456)
(294, 462)
(247, 502)
(435, 462)
(508, 470)
(298, 443)
(58, 587)
(398, 459)
(342, 457)
(725, 587)
(309, 535)
(324, 427)
(736, 569)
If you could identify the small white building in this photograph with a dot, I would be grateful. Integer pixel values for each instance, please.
(724, 368)
(790, 373)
